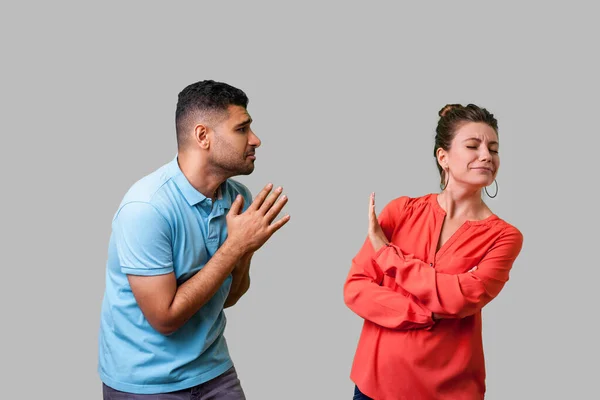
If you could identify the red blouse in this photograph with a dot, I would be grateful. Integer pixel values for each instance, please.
(402, 352)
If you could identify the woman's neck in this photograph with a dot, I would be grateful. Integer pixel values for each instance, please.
(463, 204)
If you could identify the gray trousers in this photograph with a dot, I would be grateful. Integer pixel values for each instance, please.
(224, 387)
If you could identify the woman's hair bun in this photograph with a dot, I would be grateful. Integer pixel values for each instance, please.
(447, 108)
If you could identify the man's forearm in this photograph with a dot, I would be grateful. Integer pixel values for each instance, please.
(241, 280)
(200, 288)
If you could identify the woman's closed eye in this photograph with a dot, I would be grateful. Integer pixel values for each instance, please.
(490, 150)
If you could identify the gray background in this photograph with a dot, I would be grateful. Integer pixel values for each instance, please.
(345, 100)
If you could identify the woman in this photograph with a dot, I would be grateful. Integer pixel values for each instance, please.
(426, 270)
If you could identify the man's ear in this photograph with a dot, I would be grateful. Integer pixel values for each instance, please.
(201, 137)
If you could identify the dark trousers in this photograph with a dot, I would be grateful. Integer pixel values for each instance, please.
(358, 395)
(224, 387)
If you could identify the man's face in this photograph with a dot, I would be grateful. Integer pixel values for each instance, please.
(233, 143)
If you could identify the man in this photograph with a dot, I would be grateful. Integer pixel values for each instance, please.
(180, 250)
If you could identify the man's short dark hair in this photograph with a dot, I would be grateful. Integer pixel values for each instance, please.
(206, 97)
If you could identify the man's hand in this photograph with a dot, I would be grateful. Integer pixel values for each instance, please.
(251, 229)
(376, 235)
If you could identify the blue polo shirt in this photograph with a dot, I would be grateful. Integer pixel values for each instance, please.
(164, 225)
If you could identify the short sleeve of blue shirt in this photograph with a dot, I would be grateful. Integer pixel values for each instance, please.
(143, 240)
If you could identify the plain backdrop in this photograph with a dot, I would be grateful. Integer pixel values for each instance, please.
(345, 99)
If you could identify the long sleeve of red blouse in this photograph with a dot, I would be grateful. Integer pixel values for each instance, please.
(365, 294)
(454, 295)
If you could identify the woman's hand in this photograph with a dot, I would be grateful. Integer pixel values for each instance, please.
(376, 235)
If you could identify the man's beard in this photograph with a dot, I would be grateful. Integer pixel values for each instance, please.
(232, 167)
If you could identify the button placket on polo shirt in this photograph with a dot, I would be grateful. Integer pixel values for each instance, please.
(213, 226)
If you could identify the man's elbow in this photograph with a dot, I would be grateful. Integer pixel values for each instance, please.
(165, 330)
(230, 302)
(165, 327)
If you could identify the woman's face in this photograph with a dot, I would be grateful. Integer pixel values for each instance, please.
(473, 158)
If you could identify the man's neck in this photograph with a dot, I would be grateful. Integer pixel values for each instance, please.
(200, 176)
